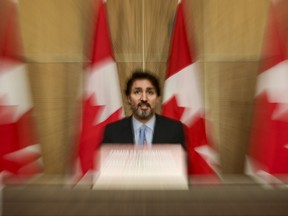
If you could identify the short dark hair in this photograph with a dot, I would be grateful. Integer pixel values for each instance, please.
(142, 75)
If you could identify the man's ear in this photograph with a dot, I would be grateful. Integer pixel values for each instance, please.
(159, 99)
(128, 100)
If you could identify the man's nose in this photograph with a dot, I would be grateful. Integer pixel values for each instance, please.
(144, 96)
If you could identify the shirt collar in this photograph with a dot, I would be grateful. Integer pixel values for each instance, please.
(137, 124)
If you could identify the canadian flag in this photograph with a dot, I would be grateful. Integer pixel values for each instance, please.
(102, 102)
(268, 152)
(183, 99)
(20, 155)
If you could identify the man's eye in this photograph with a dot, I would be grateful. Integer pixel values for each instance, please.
(137, 92)
(151, 92)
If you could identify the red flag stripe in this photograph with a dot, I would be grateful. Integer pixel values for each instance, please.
(19, 149)
(268, 150)
(102, 103)
(182, 99)
(180, 52)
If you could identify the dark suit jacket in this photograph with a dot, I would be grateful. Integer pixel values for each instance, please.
(166, 131)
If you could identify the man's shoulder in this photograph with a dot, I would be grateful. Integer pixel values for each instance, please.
(167, 120)
(119, 123)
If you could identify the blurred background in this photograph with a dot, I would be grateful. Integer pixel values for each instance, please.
(228, 34)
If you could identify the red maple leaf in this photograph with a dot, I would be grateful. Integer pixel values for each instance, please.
(269, 137)
(92, 132)
(172, 110)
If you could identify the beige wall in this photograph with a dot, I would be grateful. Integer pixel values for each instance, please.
(228, 34)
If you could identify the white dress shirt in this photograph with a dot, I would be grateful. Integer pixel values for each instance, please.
(149, 130)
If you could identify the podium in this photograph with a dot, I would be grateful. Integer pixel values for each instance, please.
(161, 166)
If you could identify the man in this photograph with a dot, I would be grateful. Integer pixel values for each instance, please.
(144, 126)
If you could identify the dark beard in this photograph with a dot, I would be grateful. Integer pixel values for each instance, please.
(142, 115)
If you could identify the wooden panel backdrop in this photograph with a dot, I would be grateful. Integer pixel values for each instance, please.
(227, 33)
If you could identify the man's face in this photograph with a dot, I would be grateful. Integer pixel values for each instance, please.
(143, 100)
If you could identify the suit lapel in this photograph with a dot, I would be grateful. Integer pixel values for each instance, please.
(130, 131)
(158, 132)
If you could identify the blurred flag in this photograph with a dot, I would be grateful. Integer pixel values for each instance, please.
(20, 155)
(102, 102)
(268, 152)
(183, 99)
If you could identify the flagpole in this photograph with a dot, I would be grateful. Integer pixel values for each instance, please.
(143, 35)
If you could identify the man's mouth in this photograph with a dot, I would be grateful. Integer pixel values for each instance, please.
(143, 106)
